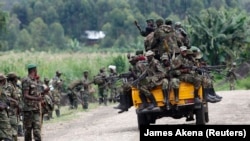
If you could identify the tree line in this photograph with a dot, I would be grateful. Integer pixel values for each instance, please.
(46, 25)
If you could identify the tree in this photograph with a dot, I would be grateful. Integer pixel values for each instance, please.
(219, 34)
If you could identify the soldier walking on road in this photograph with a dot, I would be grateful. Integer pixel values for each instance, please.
(231, 76)
(32, 105)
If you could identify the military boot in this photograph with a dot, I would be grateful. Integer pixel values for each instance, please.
(197, 101)
(214, 93)
(209, 98)
(58, 113)
(100, 101)
(176, 94)
(166, 98)
(144, 104)
(153, 104)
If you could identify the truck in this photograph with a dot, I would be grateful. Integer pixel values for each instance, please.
(182, 108)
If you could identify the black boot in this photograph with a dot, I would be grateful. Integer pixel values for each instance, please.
(176, 94)
(144, 104)
(58, 113)
(123, 104)
(208, 97)
(100, 101)
(166, 99)
(153, 104)
(214, 93)
(197, 101)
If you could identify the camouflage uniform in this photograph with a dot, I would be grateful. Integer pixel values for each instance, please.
(125, 91)
(32, 105)
(231, 76)
(165, 40)
(102, 86)
(112, 85)
(5, 127)
(85, 90)
(154, 74)
(48, 105)
(181, 34)
(12, 93)
(181, 64)
(57, 84)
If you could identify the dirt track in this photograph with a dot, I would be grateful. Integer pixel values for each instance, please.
(104, 124)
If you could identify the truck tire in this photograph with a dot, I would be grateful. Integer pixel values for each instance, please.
(142, 120)
(200, 116)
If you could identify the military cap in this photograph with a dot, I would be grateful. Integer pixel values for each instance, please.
(149, 20)
(11, 75)
(46, 79)
(86, 71)
(168, 21)
(164, 57)
(138, 52)
(149, 53)
(31, 66)
(2, 77)
(183, 48)
(159, 21)
(132, 58)
(189, 51)
(234, 63)
(58, 72)
(178, 24)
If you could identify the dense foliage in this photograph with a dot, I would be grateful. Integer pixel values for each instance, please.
(55, 25)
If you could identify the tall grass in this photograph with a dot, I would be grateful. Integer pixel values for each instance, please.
(71, 64)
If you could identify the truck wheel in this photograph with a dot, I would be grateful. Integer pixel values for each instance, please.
(206, 117)
(200, 116)
(142, 120)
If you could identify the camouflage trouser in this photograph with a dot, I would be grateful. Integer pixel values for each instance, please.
(113, 93)
(165, 84)
(5, 130)
(175, 83)
(32, 121)
(232, 84)
(207, 82)
(14, 125)
(102, 94)
(195, 79)
(85, 99)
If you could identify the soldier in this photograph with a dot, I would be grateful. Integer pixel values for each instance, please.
(149, 28)
(113, 76)
(231, 76)
(157, 43)
(181, 64)
(154, 74)
(182, 37)
(14, 110)
(32, 105)
(5, 126)
(48, 105)
(126, 90)
(57, 84)
(20, 102)
(85, 90)
(101, 81)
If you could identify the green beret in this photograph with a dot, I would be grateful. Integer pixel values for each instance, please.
(31, 66)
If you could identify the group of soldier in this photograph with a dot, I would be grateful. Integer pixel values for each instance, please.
(167, 59)
(25, 102)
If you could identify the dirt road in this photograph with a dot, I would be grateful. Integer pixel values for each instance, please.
(104, 124)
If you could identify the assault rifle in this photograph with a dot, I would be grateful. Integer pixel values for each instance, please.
(136, 24)
(206, 69)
